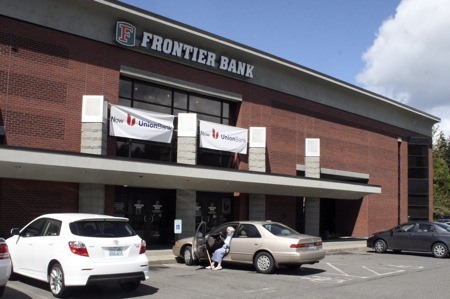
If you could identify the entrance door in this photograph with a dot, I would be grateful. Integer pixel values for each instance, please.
(151, 213)
(213, 208)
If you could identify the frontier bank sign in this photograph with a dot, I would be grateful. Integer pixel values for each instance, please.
(126, 36)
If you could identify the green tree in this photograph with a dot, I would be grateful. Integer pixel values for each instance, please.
(441, 182)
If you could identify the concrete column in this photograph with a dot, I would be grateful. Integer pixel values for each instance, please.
(257, 162)
(187, 150)
(185, 210)
(93, 141)
(91, 198)
(186, 154)
(312, 170)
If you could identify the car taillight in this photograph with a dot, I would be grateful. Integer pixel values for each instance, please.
(4, 252)
(306, 245)
(143, 247)
(78, 248)
(303, 245)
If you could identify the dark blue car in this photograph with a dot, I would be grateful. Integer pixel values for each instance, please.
(421, 236)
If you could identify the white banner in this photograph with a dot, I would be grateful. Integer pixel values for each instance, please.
(140, 124)
(222, 137)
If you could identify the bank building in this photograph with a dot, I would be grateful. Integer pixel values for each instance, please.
(108, 108)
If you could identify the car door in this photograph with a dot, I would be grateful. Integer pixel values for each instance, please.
(22, 249)
(424, 236)
(401, 237)
(199, 242)
(45, 247)
(245, 243)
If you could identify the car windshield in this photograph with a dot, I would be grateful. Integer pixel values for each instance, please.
(280, 230)
(101, 228)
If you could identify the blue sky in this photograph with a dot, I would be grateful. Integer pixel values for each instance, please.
(396, 48)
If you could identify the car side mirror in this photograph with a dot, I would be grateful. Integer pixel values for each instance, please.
(15, 231)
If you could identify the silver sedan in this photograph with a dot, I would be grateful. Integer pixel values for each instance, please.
(267, 245)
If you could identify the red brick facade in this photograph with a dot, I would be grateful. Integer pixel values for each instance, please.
(45, 73)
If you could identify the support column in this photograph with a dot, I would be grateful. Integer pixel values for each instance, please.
(93, 141)
(257, 162)
(312, 170)
(186, 154)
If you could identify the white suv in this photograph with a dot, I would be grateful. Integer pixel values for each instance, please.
(79, 249)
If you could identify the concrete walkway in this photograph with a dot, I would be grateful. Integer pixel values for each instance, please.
(165, 256)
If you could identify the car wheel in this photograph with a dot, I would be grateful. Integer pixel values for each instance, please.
(439, 250)
(56, 281)
(380, 246)
(264, 263)
(188, 258)
(130, 285)
(2, 290)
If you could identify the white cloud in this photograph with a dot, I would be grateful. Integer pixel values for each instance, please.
(409, 60)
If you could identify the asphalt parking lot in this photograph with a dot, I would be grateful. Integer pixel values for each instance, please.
(358, 274)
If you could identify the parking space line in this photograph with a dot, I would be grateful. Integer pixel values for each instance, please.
(263, 290)
(381, 274)
(339, 270)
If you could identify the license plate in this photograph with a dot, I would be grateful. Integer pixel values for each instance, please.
(311, 246)
(115, 252)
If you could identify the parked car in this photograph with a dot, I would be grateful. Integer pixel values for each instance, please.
(5, 265)
(443, 220)
(418, 236)
(266, 245)
(68, 250)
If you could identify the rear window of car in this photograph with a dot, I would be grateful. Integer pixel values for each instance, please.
(443, 227)
(102, 229)
(280, 230)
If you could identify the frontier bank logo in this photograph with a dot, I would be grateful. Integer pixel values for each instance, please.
(126, 35)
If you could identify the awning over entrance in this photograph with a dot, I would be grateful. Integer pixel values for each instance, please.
(19, 163)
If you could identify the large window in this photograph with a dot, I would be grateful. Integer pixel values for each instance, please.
(418, 179)
(162, 99)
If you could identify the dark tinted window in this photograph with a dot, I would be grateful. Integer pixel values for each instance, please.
(425, 228)
(106, 229)
(52, 228)
(248, 231)
(34, 229)
(409, 227)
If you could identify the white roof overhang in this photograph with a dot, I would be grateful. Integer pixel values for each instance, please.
(19, 163)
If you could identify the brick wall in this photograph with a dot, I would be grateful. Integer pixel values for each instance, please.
(23, 200)
(45, 73)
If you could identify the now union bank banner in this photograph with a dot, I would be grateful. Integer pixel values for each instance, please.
(223, 138)
(140, 124)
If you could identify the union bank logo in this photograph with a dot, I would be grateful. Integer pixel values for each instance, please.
(125, 34)
(215, 134)
(131, 121)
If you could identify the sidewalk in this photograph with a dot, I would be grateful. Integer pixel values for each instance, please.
(165, 256)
